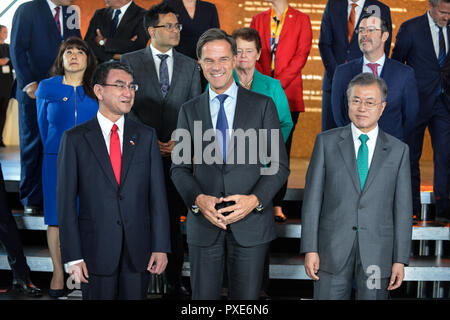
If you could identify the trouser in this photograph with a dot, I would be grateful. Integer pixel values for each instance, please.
(3, 108)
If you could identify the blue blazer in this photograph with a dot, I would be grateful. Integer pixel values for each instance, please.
(333, 40)
(414, 46)
(402, 106)
(35, 40)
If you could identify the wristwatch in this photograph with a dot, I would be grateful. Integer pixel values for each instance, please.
(101, 42)
(260, 207)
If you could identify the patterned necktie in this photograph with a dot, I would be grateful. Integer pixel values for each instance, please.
(222, 126)
(362, 160)
(58, 23)
(351, 22)
(163, 74)
(115, 22)
(374, 68)
(114, 152)
(442, 50)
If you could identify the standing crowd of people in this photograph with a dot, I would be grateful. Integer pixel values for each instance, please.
(159, 113)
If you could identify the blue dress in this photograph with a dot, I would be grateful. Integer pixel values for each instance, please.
(59, 107)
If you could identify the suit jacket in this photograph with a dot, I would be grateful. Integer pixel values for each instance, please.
(134, 214)
(399, 116)
(333, 203)
(292, 52)
(272, 88)
(131, 25)
(333, 40)
(414, 46)
(150, 107)
(35, 40)
(253, 111)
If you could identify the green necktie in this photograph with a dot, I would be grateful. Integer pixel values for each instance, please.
(362, 160)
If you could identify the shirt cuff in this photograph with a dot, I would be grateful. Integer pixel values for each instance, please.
(26, 87)
(71, 263)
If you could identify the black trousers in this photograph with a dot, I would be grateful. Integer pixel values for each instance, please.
(10, 238)
(244, 269)
(3, 108)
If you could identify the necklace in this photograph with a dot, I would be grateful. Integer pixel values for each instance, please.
(248, 84)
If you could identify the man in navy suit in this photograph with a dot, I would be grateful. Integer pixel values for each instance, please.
(399, 116)
(38, 28)
(338, 43)
(422, 43)
(113, 167)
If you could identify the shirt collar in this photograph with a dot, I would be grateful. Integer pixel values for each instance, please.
(106, 124)
(434, 25)
(123, 8)
(372, 134)
(155, 51)
(360, 3)
(231, 92)
(52, 5)
(379, 61)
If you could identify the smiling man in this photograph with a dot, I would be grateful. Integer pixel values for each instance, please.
(356, 213)
(231, 217)
(120, 231)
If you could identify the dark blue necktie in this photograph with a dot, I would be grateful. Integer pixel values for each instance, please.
(163, 74)
(442, 51)
(222, 126)
(115, 22)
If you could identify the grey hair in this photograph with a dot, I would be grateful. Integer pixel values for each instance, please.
(367, 79)
(434, 3)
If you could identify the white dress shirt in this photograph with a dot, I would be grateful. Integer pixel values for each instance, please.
(435, 35)
(157, 61)
(373, 134)
(380, 65)
(229, 106)
(122, 9)
(358, 9)
(105, 126)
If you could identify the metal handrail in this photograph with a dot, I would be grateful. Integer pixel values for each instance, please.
(8, 7)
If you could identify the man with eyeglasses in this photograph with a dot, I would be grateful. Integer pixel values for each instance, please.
(356, 213)
(422, 43)
(116, 29)
(111, 197)
(168, 79)
(402, 104)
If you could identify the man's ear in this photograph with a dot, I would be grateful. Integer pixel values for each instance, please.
(98, 91)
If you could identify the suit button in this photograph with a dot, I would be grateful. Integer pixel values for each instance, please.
(354, 228)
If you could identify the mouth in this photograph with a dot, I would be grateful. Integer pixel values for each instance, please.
(218, 75)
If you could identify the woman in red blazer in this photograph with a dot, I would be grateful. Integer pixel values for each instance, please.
(291, 34)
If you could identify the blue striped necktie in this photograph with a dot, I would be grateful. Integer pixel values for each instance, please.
(442, 50)
(115, 22)
(222, 126)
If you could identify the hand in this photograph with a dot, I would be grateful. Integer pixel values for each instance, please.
(312, 263)
(397, 275)
(99, 37)
(117, 56)
(157, 263)
(166, 147)
(3, 61)
(242, 207)
(207, 205)
(134, 38)
(78, 272)
(31, 90)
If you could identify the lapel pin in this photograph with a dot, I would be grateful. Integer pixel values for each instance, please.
(132, 143)
(65, 99)
(290, 16)
(366, 9)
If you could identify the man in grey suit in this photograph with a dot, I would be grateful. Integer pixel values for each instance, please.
(166, 80)
(230, 196)
(356, 214)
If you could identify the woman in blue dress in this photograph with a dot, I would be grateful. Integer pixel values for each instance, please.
(63, 101)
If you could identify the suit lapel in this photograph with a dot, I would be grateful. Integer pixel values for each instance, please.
(347, 149)
(149, 64)
(49, 20)
(176, 73)
(379, 156)
(130, 140)
(127, 17)
(343, 18)
(428, 39)
(97, 144)
(240, 115)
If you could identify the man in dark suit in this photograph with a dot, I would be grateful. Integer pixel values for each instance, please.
(116, 30)
(230, 195)
(402, 105)
(167, 79)
(356, 213)
(113, 166)
(38, 28)
(422, 43)
(10, 238)
(338, 42)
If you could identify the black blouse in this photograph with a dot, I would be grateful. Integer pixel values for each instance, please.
(205, 18)
(6, 79)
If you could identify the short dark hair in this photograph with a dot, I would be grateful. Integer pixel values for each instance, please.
(102, 71)
(366, 79)
(214, 34)
(383, 22)
(151, 17)
(2, 26)
(91, 62)
(248, 34)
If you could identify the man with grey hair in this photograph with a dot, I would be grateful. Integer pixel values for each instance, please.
(356, 213)
(231, 217)
(422, 43)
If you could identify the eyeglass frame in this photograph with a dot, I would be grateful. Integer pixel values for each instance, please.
(122, 86)
(367, 30)
(169, 26)
(364, 103)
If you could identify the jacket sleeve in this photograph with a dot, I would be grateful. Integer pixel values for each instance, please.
(284, 113)
(339, 104)
(41, 105)
(325, 43)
